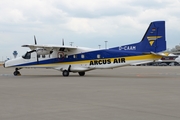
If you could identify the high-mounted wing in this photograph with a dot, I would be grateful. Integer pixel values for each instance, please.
(49, 47)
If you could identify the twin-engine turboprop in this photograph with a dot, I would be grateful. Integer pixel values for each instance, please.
(79, 59)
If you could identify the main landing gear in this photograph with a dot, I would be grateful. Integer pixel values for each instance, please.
(16, 72)
(65, 73)
(81, 73)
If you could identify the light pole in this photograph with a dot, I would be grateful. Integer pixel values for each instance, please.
(105, 44)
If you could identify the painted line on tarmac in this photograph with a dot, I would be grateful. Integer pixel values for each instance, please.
(169, 73)
(6, 75)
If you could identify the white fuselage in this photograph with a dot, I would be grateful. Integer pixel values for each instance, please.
(62, 60)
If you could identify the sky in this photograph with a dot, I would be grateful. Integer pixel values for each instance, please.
(86, 23)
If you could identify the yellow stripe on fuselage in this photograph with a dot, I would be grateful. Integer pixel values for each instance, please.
(143, 57)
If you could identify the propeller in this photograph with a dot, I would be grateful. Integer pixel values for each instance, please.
(35, 40)
(62, 42)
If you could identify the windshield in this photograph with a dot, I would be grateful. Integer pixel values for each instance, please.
(27, 55)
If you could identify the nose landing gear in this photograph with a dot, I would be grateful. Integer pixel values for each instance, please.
(16, 72)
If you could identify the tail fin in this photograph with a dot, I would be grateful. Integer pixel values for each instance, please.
(154, 39)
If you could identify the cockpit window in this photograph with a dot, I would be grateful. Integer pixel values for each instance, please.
(27, 55)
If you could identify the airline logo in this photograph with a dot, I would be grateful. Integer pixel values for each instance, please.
(151, 39)
(107, 61)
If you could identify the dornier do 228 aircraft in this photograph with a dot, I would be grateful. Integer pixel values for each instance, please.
(79, 59)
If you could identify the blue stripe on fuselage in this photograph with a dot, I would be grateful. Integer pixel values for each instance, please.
(87, 56)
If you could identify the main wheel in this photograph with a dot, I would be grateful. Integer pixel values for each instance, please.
(65, 73)
(81, 73)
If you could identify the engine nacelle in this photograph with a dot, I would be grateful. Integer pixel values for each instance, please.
(43, 52)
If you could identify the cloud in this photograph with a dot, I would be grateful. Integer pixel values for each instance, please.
(95, 9)
(84, 21)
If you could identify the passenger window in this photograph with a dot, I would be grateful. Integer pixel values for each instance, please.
(74, 56)
(61, 55)
(82, 56)
(66, 56)
(98, 56)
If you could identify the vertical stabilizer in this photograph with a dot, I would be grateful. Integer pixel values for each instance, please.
(154, 40)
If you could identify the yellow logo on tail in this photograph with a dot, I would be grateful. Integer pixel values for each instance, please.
(151, 39)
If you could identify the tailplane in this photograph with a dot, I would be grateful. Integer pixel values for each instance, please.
(154, 40)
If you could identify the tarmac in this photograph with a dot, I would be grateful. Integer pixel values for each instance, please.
(127, 93)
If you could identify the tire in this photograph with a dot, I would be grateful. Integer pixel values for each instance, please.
(81, 73)
(16, 73)
(65, 73)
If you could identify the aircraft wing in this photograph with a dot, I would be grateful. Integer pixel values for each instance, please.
(33, 47)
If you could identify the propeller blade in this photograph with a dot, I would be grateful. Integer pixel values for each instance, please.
(35, 40)
(63, 42)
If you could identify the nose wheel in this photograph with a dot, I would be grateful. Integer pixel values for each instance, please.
(16, 72)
